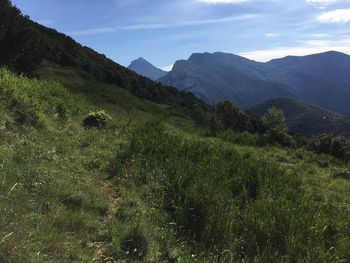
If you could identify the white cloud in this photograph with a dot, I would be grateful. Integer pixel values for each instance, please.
(305, 48)
(96, 31)
(167, 68)
(186, 23)
(336, 16)
(322, 3)
(272, 35)
(92, 31)
(319, 35)
(222, 1)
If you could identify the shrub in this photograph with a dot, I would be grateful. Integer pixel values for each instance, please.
(22, 114)
(283, 139)
(231, 116)
(275, 121)
(338, 146)
(97, 119)
(277, 128)
(341, 173)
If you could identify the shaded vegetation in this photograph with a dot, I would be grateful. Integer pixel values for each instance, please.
(338, 146)
(173, 195)
(307, 119)
(28, 47)
(98, 119)
(171, 182)
(226, 203)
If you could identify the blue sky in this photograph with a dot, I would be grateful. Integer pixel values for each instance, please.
(163, 31)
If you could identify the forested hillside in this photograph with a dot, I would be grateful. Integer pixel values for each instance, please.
(28, 47)
(305, 118)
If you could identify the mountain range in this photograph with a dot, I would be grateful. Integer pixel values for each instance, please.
(144, 68)
(320, 79)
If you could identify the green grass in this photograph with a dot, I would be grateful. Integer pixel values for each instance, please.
(150, 187)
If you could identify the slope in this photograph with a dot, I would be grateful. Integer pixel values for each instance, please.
(28, 47)
(305, 118)
(220, 76)
(146, 189)
(144, 68)
(149, 186)
(319, 79)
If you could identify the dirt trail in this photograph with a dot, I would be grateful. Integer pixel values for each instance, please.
(102, 247)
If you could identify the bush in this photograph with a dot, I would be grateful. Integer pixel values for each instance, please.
(277, 128)
(283, 139)
(231, 116)
(338, 146)
(341, 173)
(22, 114)
(98, 119)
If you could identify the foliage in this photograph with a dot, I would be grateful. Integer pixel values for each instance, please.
(231, 116)
(307, 119)
(172, 195)
(41, 96)
(338, 146)
(277, 128)
(341, 173)
(179, 196)
(275, 121)
(97, 119)
(214, 200)
(245, 138)
(28, 47)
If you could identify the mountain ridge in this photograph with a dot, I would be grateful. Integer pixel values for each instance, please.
(145, 68)
(321, 79)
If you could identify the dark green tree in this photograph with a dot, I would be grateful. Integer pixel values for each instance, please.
(231, 116)
(227, 113)
(277, 128)
(275, 121)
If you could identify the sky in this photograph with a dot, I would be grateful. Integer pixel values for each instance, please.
(163, 31)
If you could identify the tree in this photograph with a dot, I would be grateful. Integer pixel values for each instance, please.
(19, 41)
(231, 117)
(275, 121)
(227, 113)
(277, 128)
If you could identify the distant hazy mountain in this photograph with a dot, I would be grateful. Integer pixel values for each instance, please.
(218, 76)
(144, 68)
(306, 118)
(320, 79)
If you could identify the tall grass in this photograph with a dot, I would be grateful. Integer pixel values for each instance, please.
(237, 207)
(43, 98)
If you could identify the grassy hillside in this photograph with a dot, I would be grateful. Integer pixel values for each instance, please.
(35, 50)
(150, 187)
(306, 118)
